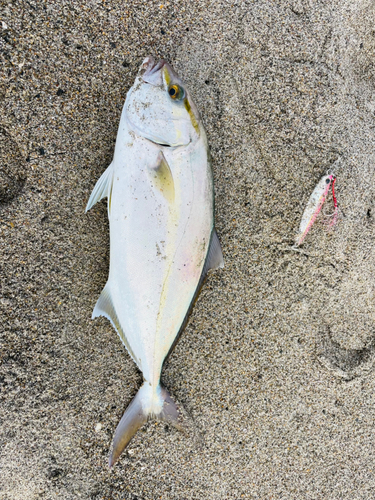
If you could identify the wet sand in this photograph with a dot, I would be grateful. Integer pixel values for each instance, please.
(276, 365)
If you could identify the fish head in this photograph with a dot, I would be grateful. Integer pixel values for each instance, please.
(159, 107)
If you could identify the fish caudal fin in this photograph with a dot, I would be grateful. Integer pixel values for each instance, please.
(102, 189)
(132, 420)
(148, 403)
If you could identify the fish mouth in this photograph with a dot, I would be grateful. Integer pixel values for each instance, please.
(152, 72)
(151, 69)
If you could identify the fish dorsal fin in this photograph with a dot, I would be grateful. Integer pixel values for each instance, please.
(161, 177)
(214, 259)
(104, 307)
(102, 189)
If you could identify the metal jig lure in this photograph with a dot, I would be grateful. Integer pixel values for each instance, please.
(315, 204)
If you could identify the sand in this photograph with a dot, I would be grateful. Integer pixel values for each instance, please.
(276, 365)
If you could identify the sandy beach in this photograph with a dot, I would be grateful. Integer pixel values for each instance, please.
(275, 369)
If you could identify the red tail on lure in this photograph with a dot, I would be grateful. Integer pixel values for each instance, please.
(336, 211)
(314, 205)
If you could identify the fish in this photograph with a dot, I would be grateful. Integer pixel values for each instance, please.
(314, 206)
(163, 242)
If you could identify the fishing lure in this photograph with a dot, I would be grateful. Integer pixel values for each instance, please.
(314, 205)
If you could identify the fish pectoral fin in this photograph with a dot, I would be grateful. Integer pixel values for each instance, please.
(105, 307)
(102, 189)
(145, 405)
(214, 259)
(161, 177)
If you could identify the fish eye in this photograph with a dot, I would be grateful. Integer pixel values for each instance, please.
(328, 181)
(176, 92)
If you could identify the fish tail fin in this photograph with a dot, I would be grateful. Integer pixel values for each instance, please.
(147, 403)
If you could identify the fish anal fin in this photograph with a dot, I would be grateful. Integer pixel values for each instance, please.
(214, 259)
(162, 178)
(105, 307)
(102, 189)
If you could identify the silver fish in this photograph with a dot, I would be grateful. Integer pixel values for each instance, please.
(162, 238)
